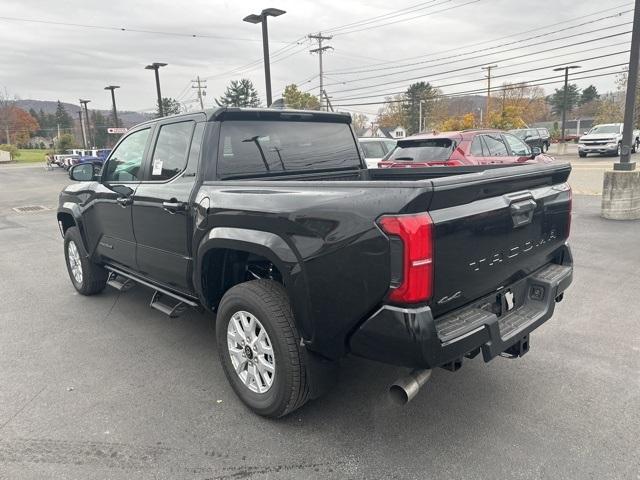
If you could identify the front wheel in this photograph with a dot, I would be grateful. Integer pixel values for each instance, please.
(259, 347)
(582, 154)
(87, 277)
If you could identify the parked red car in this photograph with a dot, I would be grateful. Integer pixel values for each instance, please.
(468, 147)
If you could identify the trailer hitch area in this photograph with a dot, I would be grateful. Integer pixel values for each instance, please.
(518, 349)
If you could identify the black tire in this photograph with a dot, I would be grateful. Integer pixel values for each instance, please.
(582, 154)
(94, 277)
(269, 303)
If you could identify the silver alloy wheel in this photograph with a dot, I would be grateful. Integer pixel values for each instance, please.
(251, 351)
(74, 261)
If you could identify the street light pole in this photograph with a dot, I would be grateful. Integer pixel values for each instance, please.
(564, 97)
(262, 18)
(88, 136)
(625, 162)
(113, 102)
(155, 66)
(84, 137)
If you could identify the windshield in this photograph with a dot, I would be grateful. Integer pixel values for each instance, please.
(269, 147)
(605, 129)
(423, 150)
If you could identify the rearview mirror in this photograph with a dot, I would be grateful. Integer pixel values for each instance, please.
(82, 172)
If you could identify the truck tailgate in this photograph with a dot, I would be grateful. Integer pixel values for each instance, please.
(495, 227)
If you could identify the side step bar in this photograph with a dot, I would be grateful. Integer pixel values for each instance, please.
(163, 300)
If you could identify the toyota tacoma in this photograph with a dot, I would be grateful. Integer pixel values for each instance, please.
(270, 219)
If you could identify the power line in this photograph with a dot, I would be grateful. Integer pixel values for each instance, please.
(132, 30)
(495, 89)
(378, 92)
(475, 66)
(497, 76)
(410, 18)
(449, 62)
(386, 64)
(393, 13)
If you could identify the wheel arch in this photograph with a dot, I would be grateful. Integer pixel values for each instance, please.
(69, 216)
(219, 262)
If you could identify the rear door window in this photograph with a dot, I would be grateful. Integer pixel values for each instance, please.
(170, 153)
(476, 147)
(495, 145)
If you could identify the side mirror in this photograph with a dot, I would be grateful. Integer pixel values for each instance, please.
(82, 173)
(535, 151)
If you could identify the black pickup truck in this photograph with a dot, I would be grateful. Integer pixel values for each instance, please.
(270, 219)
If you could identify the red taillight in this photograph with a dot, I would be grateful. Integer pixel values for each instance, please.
(416, 234)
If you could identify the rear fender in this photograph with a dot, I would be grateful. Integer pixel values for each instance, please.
(270, 246)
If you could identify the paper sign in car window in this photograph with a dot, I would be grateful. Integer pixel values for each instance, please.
(157, 167)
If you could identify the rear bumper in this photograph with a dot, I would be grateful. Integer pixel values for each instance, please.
(413, 338)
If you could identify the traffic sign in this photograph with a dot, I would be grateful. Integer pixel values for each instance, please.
(116, 130)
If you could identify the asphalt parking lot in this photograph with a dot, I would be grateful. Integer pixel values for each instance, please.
(105, 387)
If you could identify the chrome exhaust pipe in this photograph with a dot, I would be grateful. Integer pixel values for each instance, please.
(405, 388)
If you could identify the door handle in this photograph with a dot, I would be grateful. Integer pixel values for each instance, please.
(173, 206)
(124, 201)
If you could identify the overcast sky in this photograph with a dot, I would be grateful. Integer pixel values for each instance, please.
(49, 62)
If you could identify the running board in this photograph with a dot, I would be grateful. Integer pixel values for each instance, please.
(163, 300)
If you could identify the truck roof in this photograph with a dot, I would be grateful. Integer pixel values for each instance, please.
(236, 113)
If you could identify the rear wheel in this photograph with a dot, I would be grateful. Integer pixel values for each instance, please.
(87, 277)
(259, 347)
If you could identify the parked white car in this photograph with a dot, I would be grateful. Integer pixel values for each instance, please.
(375, 149)
(606, 139)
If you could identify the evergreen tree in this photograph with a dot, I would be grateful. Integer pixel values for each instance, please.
(557, 99)
(170, 106)
(589, 94)
(62, 117)
(416, 93)
(99, 125)
(295, 98)
(239, 93)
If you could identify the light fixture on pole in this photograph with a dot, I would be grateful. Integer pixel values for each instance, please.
(262, 18)
(113, 102)
(564, 99)
(155, 66)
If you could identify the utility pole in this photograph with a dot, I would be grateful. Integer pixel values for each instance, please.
(84, 136)
(320, 50)
(113, 102)
(625, 162)
(488, 68)
(86, 117)
(200, 85)
(326, 97)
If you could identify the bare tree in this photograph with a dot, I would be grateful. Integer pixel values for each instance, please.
(7, 105)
